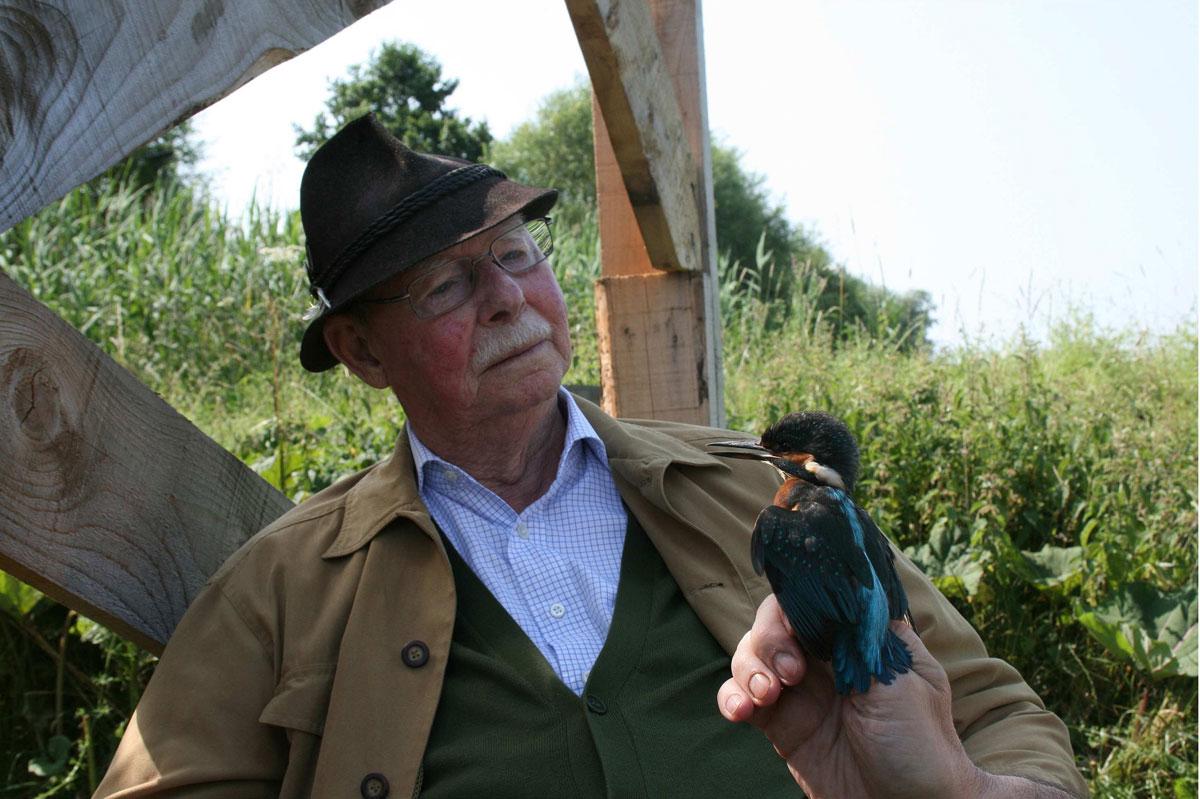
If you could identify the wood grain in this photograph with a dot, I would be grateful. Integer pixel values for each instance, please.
(649, 361)
(629, 363)
(82, 84)
(110, 501)
(641, 113)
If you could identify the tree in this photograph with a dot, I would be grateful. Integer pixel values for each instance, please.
(555, 149)
(403, 86)
(745, 213)
(168, 159)
(762, 249)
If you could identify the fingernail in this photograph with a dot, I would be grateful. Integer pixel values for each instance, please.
(759, 685)
(732, 704)
(787, 667)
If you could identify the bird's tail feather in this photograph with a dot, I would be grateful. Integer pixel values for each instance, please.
(851, 672)
(894, 658)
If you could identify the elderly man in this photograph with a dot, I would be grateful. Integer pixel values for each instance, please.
(530, 598)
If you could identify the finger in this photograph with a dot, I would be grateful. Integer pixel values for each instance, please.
(773, 644)
(753, 677)
(733, 702)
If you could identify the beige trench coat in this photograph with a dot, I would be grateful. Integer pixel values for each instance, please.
(292, 672)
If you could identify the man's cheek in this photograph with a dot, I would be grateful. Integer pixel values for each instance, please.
(451, 348)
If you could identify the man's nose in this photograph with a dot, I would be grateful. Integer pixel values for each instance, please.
(501, 298)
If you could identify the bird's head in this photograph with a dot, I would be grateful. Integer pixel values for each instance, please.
(803, 444)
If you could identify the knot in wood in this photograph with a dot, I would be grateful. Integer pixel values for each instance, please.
(39, 432)
(33, 396)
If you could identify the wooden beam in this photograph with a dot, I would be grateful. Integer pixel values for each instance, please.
(638, 104)
(632, 352)
(82, 84)
(110, 501)
(648, 359)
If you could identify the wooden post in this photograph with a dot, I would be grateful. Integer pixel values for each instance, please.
(657, 306)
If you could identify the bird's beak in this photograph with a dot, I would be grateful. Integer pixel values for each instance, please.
(742, 448)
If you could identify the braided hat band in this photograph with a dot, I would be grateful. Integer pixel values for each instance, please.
(320, 284)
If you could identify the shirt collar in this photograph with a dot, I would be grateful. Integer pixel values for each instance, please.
(579, 432)
(384, 494)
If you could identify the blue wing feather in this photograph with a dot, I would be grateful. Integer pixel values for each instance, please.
(834, 574)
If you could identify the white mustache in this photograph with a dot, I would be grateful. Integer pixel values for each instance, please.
(504, 342)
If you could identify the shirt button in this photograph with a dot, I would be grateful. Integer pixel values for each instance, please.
(374, 786)
(522, 530)
(557, 610)
(415, 654)
(450, 475)
(596, 705)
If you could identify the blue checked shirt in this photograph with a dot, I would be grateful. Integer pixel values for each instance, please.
(555, 566)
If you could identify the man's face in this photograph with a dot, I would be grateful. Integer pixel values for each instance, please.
(506, 349)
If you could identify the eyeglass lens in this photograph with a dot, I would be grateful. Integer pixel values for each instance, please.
(450, 284)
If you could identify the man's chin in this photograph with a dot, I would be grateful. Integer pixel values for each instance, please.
(527, 387)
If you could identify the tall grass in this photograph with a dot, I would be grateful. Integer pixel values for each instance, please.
(1047, 488)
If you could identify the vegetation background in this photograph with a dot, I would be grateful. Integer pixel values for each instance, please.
(1049, 488)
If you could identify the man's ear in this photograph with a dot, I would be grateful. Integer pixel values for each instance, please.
(346, 338)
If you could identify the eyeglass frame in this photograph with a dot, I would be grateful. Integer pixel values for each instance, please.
(474, 263)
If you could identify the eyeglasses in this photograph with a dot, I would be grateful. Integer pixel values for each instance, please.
(444, 286)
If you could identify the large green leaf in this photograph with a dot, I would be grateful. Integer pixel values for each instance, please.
(53, 761)
(949, 559)
(1052, 566)
(1154, 629)
(17, 598)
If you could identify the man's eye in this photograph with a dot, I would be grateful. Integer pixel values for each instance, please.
(444, 286)
(514, 256)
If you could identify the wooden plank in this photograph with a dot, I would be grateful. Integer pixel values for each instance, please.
(622, 248)
(680, 28)
(82, 84)
(649, 361)
(640, 110)
(631, 377)
(110, 501)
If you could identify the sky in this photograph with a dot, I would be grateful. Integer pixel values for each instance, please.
(1020, 160)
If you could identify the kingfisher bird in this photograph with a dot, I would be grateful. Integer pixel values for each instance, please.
(829, 565)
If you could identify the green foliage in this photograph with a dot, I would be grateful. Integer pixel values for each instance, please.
(171, 158)
(403, 86)
(751, 227)
(16, 598)
(555, 149)
(760, 251)
(1155, 629)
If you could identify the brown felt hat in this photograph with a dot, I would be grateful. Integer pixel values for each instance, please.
(372, 208)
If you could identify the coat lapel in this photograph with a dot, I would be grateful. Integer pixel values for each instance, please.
(699, 516)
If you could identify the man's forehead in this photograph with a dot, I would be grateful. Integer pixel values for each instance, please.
(476, 244)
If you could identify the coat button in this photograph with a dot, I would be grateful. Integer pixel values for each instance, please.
(374, 786)
(596, 705)
(415, 654)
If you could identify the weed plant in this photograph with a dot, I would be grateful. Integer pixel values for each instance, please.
(1048, 489)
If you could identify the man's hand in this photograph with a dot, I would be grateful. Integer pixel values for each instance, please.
(896, 740)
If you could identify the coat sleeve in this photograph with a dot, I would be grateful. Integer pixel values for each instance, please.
(1002, 723)
(196, 731)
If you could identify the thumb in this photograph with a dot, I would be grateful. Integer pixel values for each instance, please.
(924, 664)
